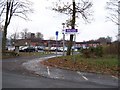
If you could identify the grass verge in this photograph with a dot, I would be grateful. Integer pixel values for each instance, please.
(105, 65)
(11, 54)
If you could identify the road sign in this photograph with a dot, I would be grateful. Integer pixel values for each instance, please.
(71, 31)
(56, 33)
(56, 41)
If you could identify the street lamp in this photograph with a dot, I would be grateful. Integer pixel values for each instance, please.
(63, 32)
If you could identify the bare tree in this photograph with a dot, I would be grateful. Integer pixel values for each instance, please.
(39, 35)
(19, 8)
(28, 34)
(74, 10)
(2, 8)
(24, 33)
(113, 10)
(14, 36)
(113, 6)
(1, 27)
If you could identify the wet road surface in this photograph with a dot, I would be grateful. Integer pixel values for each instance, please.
(27, 72)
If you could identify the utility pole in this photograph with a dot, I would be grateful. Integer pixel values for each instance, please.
(73, 27)
(63, 32)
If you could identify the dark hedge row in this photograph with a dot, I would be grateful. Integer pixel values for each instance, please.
(99, 51)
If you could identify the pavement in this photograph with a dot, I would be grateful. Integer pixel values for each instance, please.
(28, 72)
(67, 75)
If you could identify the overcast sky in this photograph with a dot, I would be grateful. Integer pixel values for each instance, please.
(48, 22)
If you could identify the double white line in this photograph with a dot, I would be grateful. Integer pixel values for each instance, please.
(115, 77)
(48, 70)
(82, 75)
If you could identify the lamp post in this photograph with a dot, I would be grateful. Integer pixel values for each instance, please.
(63, 32)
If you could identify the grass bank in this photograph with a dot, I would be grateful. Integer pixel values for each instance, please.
(107, 64)
(11, 54)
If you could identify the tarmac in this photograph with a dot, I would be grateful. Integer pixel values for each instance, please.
(62, 74)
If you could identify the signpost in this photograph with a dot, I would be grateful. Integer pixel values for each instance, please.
(63, 32)
(74, 32)
(56, 42)
(56, 33)
(71, 31)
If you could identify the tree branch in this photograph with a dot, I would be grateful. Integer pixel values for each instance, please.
(113, 8)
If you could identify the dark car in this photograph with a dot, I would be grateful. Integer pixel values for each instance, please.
(28, 49)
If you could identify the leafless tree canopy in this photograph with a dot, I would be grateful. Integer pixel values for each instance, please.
(18, 8)
(14, 36)
(78, 8)
(113, 10)
(2, 8)
(39, 35)
(82, 9)
(10, 8)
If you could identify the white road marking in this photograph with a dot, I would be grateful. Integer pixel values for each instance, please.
(82, 75)
(48, 70)
(115, 77)
(79, 73)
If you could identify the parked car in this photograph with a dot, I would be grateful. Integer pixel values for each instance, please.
(27, 49)
(61, 49)
(52, 48)
(10, 48)
(39, 48)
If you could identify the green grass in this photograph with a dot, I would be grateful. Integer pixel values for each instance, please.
(11, 54)
(101, 63)
(107, 64)
(105, 60)
(109, 61)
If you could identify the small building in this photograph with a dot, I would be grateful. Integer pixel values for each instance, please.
(87, 44)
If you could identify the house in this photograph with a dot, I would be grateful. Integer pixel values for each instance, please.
(86, 44)
(53, 43)
(39, 42)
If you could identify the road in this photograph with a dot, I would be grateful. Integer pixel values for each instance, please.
(16, 76)
(11, 80)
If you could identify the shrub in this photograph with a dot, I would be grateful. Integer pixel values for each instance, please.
(9, 53)
(93, 52)
(99, 51)
(86, 53)
(111, 49)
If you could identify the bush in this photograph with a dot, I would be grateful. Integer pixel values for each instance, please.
(99, 51)
(9, 53)
(111, 49)
(92, 52)
(86, 53)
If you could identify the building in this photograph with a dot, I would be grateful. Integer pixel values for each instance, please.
(53, 43)
(86, 44)
(38, 42)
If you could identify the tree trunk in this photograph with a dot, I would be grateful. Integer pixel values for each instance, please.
(70, 45)
(73, 27)
(4, 38)
(5, 28)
